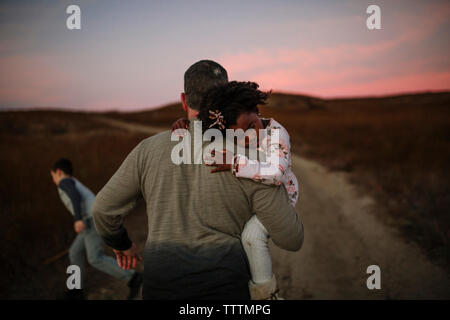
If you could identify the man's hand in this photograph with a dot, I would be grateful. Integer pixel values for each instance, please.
(127, 259)
(181, 123)
(79, 226)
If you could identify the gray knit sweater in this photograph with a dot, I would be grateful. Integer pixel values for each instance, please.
(195, 221)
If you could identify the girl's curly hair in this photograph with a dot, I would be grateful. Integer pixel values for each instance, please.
(230, 101)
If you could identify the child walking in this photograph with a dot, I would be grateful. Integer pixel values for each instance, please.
(79, 200)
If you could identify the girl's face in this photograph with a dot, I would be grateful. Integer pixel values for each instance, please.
(249, 120)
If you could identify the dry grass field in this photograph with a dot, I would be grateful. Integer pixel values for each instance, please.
(394, 148)
(35, 224)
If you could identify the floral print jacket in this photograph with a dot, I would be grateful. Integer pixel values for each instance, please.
(277, 167)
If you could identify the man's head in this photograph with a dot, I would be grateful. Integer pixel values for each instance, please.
(61, 169)
(198, 79)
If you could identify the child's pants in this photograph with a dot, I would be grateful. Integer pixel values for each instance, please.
(255, 239)
(89, 243)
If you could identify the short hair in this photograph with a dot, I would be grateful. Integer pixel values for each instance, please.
(199, 78)
(231, 100)
(65, 165)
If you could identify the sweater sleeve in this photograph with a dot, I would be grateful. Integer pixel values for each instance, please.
(272, 207)
(68, 187)
(116, 199)
(277, 150)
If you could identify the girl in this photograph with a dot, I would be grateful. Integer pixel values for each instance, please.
(234, 106)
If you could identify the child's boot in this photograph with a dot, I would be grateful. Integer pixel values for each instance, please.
(264, 291)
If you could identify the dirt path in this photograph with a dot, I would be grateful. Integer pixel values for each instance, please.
(342, 238)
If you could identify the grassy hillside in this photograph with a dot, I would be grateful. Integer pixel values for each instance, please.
(35, 225)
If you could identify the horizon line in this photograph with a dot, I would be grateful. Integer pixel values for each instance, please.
(165, 105)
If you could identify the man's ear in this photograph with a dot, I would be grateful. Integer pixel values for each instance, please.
(183, 101)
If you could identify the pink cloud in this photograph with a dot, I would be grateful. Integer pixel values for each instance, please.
(347, 69)
(31, 78)
(433, 81)
(116, 81)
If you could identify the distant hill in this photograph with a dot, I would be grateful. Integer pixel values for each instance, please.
(286, 103)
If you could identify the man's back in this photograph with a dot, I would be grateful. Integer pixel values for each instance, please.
(84, 197)
(87, 195)
(195, 221)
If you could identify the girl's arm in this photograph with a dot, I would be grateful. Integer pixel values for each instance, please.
(272, 170)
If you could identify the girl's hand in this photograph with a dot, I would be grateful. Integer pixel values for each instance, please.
(225, 157)
(220, 167)
(181, 123)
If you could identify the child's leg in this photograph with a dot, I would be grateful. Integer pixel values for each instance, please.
(77, 253)
(97, 258)
(255, 241)
(292, 188)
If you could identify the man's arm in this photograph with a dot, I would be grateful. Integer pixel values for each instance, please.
(72, 200)
(272, 207)
(117, 198)
(67, 185)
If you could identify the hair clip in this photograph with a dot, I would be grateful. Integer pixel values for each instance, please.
(218, 117)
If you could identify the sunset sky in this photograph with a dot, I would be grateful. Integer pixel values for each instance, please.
(132, 54)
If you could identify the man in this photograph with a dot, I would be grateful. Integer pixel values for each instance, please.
(195, 218)
(79, 200)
